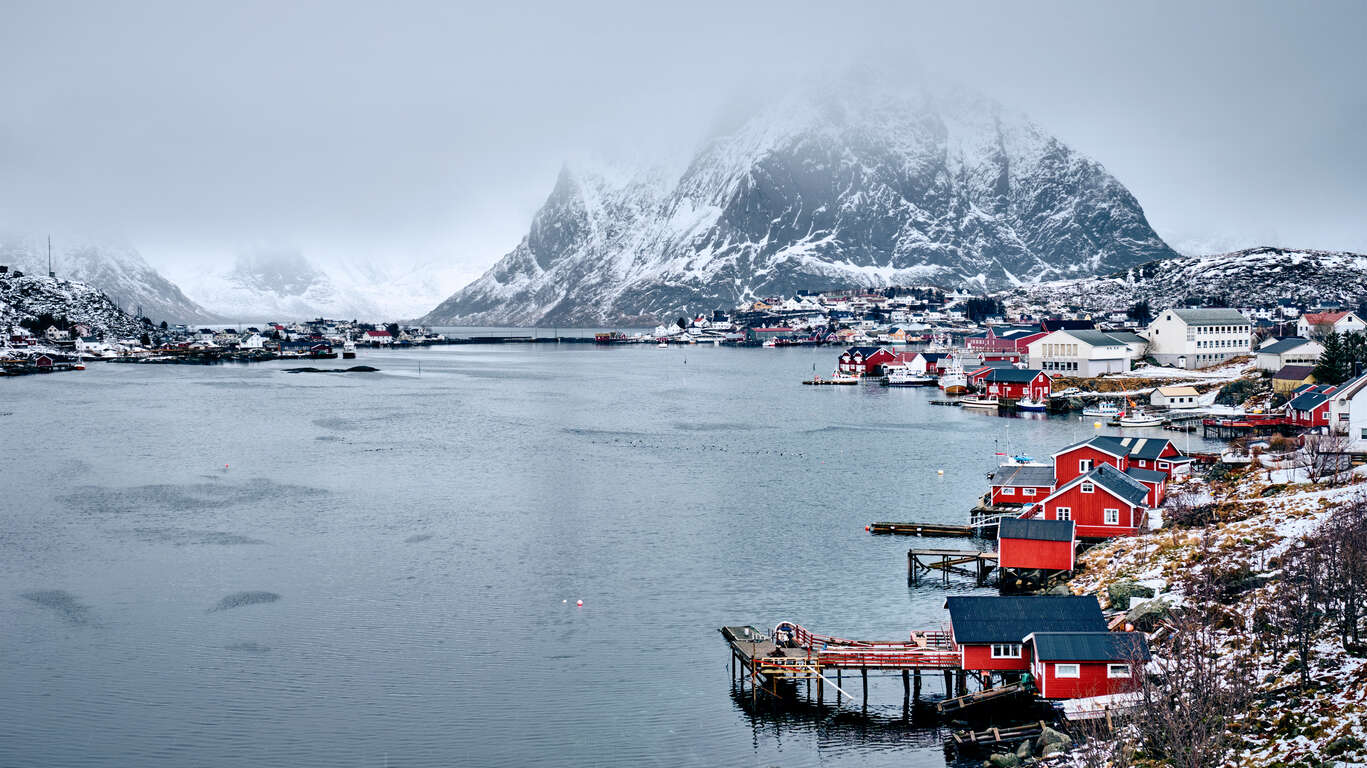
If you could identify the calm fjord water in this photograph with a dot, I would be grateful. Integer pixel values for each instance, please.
(379, 575)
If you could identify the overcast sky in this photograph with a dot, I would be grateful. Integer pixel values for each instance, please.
(431, 131)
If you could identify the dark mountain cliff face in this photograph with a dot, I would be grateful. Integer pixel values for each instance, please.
(859, 189)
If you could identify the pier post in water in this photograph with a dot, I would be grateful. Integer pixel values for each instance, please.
(916, 691)
(864, 672)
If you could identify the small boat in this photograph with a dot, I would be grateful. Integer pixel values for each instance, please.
(1138, 418)
(1030, 404)
(349, 350)
(662, 345)
(1102, 409)
(836, 378)
(979, 402)
(769, 343)
(903, 377)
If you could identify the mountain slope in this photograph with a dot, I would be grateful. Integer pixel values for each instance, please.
(26, 297)
(857, 188)
(120, 272)
(1251, 277)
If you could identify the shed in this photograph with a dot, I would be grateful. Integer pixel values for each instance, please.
(1036, 544)
(1174, 397)
(1071, 665)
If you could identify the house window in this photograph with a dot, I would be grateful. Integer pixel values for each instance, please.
(1163, 465)
(1112, 517)
(1084, 465)
(1088, 488)
(1117, 671)
(1008, 491)
(1031, 491)
(1063, 513)
(1067, 670)
(1006, 650)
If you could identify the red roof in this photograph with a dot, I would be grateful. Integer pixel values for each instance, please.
(384, 334)
(1324, 318)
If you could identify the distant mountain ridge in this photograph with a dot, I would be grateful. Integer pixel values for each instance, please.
(118, 271)
(1249, 277)
(848, 188)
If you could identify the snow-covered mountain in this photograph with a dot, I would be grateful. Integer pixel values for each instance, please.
(856, 186)
(1251, 277)
(284, 284)
(28, 297)
(119, 271)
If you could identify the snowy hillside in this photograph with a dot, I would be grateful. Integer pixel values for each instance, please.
(1251, 277)
(853, 187)
(119, 271)
(29, 296)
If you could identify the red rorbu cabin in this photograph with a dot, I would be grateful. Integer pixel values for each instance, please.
(990, 631)
(1157, 454)
(1016, 383)
(1045, 545)
(865, 361)
(1075, 665)
(1104, 502)
(1310, 406)
(1016, 484)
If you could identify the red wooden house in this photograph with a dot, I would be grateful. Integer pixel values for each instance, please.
(1008, 339)
(1104, 502)
(865, 361)
(1045, 545)
(1122, 453)
(989, 631)
(1310, 406)
(1015, 383)
(1014, 484)
(1075, 665)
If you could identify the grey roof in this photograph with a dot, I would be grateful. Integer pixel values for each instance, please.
(1294, 372)
(1127, 337)
(1283, 345)
(990, 619)
(1018, 375)
(1035, 530)
(1308, 401)
(1090, 646)
(1097, 338)
(1138, 447)
(1146, 475)
(1025, 475)
(1211, 316)
(1118, 483)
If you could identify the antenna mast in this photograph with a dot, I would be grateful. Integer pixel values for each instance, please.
(50, 273)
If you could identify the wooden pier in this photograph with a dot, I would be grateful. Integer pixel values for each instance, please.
(922, 529)
(967, 562)
(993, 738)
(999, 693)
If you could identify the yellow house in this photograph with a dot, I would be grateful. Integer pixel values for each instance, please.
(1291, 376)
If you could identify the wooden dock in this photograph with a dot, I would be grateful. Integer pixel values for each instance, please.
(922, 529)
(992, 738)
(999, 693)
(967, 562)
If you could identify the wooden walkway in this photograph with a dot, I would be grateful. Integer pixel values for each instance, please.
(922, 529)
(968, 562)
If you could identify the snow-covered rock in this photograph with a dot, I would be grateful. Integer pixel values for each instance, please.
(28, 297)
(1254, 277)
(117, 270)
(851, 187)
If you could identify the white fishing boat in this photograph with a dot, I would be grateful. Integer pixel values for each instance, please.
(1104, 410)
(903, 376)
(1139, 418)
(662, 345)
(954, 381)
(769, 343)
(349, 350)
(1028, 403)
(980, 402)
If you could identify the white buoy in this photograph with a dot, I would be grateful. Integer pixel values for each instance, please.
(580, 603)
(939, 471)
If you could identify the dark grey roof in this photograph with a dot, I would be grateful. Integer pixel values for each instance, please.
(1025, 475)
(1035, 530)
(1118, 483)
(1308, 401)
(1283, 345)
(1211, 316)
(1138, 447)
(1146, 475)
(1294, 372)
(1090, 646)
(1018, 375)
(1097, 338)
(989, 619)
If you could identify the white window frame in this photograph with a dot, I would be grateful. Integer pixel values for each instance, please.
(1067, 671)
(1088, 488)
(1008, 491)
(1027, 491)
(1006, 650)
(1063, 513)
(1117, 671)
(1164, 465)
(1112, 516)
(1084, 465)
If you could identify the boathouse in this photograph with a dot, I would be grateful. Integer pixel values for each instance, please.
(1015, 383)
(1310, 406)
(990, 631)
(1120, 452)
(1015, 484)
(1104, 502)
(1075, 665)
(865, 361)
(1026, 544)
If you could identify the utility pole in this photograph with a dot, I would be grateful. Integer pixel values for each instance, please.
(50, 273)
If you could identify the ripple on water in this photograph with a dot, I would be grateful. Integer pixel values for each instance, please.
(184, 497)
(248, 648)
(417, 537)
(60, 602)
(244, 599)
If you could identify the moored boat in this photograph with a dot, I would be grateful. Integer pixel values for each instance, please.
(954, 381)
(1139, 418)
(980, 402)
(349, 350)
(904, 377)
(1030, 404)
(1102, 409)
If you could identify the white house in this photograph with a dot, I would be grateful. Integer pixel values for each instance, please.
(1197, 338)
(1312, 324)
(1348, 412)
(252, 341)
(1082, 353)
(1174, 397)
(1276, 354)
